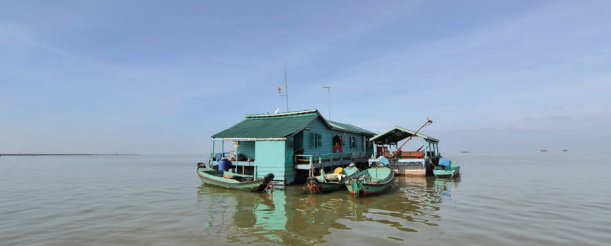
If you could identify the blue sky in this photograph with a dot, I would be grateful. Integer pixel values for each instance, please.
(160, 77)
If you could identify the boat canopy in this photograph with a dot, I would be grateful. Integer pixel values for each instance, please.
(396, 134)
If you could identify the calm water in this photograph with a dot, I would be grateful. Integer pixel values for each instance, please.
(533, 199)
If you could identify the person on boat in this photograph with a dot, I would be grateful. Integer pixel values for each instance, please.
(337, 144)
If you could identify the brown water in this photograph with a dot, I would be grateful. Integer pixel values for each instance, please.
(535, 199)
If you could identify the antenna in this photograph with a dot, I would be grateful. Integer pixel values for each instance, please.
(286, 89)
(329, 90)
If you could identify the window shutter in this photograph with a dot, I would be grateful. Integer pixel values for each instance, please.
(319, 140)
(312, 140)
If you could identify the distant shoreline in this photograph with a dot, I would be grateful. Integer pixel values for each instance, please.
(58, 154)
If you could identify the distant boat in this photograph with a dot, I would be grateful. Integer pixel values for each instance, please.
(233, 180)
(565, 150)
(543, 150)
(372, 181)
(446, 169)
(464, 151)
(330, 182)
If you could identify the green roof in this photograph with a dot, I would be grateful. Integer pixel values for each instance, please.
(347, 127)
(279, 126)
(396, 134)
(272, 126)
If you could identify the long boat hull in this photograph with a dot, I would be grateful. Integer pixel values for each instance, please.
(314, 186)
(373, 181)
(318, 185)
(232, 180)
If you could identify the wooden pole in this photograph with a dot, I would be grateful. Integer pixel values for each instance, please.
(428, 121)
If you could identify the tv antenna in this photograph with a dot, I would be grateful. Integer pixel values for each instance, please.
(286, 89)
(329, 90)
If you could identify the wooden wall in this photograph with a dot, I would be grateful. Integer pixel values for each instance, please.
(247, 148)
(318, 126)
(271, 157)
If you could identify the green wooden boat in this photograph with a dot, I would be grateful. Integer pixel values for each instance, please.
(446, 169)
(372, 181)
(330, 182)
(233, 180)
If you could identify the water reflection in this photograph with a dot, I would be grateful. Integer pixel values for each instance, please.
(291, 217)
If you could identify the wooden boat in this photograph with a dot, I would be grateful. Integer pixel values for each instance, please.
(372, 181)
(330, 182)
(402, 162)
(446, 169)
(233, 180)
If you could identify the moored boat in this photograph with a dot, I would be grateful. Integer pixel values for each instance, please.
(418, 162)
(233, 180)
(405, 162)
(330, 182)
(446, 169)
(372, 181)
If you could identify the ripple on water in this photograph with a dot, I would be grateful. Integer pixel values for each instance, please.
(159, 201)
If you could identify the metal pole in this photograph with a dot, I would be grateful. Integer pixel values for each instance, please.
(329, 90)
(286, 87)
(211, 161)
(237, 157)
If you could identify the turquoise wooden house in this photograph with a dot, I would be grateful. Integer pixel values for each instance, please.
(292, 145)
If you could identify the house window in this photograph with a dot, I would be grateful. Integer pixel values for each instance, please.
(315, 140)
(353, 142)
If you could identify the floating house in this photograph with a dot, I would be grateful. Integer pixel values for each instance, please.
(292, 145)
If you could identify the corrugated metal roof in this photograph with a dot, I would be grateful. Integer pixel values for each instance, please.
(268, 126)
(279, 126)
(348, 127)
(392, 136)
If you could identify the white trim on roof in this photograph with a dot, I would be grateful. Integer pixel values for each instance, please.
(280, 114)
(334, 125)
(254, 139)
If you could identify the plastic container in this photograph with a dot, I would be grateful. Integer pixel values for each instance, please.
(444, 162)
(224, 164)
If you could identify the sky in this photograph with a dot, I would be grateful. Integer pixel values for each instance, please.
(161, 77)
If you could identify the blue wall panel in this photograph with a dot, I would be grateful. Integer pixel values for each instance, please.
(247, 148)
